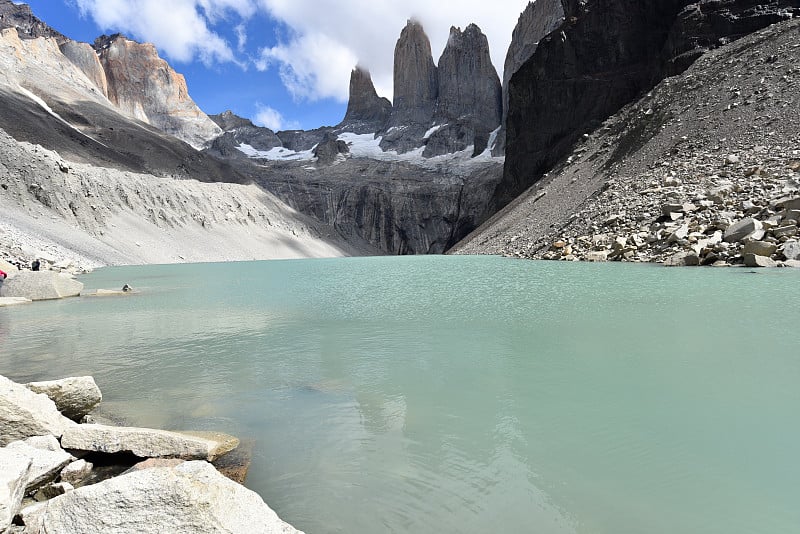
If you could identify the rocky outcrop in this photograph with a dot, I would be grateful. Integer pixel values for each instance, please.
(20, 17)
(14, 470)
(605, 54)
(47, 459)
(228, 120)
(83, 56)
(74, 397)
(148, 443)
(416, 89)
(366, 111)
(240, 131)
(538, 20)
(330, 149)
(41, 285)
(469, 105)
(24, 414)
(144, 86)
(191, 497)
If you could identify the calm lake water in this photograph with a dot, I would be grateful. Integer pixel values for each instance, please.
(458, 394)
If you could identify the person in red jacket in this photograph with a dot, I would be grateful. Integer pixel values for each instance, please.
(3, 275)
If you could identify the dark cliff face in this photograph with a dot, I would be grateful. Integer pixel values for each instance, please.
(534, 24)
(470, 94)
(366, 111)
(416, 89)
(394, 206)
(19, 16)
(605, 54)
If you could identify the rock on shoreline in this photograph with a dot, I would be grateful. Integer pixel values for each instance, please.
(182, 494)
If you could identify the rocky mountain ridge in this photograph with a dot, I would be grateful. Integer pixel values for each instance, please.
(130, 75)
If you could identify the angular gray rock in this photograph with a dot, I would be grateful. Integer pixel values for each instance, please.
(683, 259)
(742, 229)
(791, 250)
(416, 89)
(41, 285)
(51, 491)
(539, 19)
(366, 111)
(14, 469)
(759, 248)
(74, 397)
(470, 94)
(47, 459)
(24, 414)
(76, 471)
(330, 149)
(148, 443)
(192, 497)
(754, 260)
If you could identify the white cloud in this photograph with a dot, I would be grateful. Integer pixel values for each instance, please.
(368, 29)
(272, 119)
(177, 27)
(312, 66)
(324, 40)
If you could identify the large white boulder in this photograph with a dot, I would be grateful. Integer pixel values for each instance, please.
(148, 443)
(24, 414)
(74, 397)
(47, 459)
(190, 498)
(14, 468)
(41, 285)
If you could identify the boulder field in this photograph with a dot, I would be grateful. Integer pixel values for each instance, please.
(49, 484)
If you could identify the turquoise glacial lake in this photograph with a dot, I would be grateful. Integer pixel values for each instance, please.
(458, 394)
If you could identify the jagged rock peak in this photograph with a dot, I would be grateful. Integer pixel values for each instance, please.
(468, 82)
(416, 85)
(228, 120)
(104, 41)
(144, 86)
(366, 111)
(28, 26)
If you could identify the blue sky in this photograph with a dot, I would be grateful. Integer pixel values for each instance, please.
(283, 63)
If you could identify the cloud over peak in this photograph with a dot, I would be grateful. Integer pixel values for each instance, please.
(316, 43)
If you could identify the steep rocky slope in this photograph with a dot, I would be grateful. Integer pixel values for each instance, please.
(47, 100)
(67, 212)
(604, 55)
(144, 86)
(705, 168)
